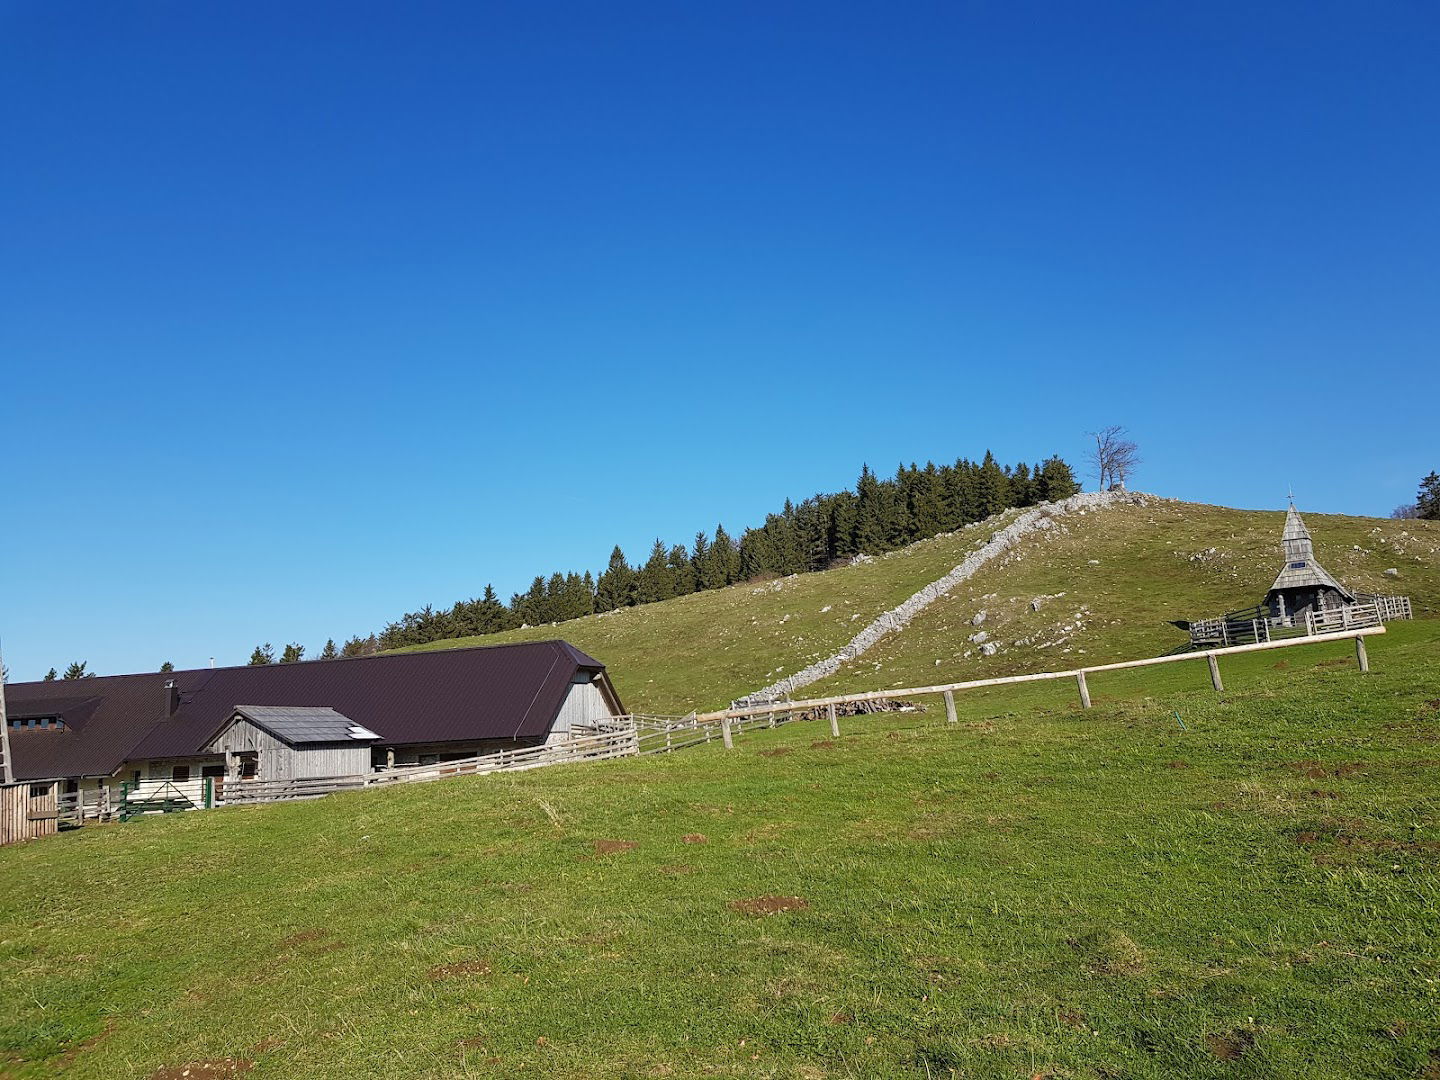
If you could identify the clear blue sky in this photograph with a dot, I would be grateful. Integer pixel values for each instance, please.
(314, 313)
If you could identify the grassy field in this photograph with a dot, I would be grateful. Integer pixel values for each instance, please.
(1173, 884)
(1167, 560)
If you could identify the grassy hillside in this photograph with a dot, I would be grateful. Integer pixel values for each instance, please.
(1175, 883)
(1152, 564)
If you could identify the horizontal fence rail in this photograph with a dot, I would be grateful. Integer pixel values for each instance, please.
(1042, 676)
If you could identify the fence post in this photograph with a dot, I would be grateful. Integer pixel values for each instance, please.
(1084, 689)
(1361, 656)
(950, 717)
(834, 722)
(725, 734)
(1215, 672)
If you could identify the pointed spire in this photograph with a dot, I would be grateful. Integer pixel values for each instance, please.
(1295, 540)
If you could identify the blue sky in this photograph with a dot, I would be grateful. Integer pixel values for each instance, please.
(313, 314)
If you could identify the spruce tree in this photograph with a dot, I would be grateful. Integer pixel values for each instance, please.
(263, 654)
(51, 675)
(870, 526)
(293, 654)
(76, 670)
(682, 571)
(1427, 499)
(993, 489)
(655, 582)
(1054, 480)
(166, 668)
(616, 587)
(329, 652)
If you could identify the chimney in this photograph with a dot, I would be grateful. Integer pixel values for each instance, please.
(172, 700)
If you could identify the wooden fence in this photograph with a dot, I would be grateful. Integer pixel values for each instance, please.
(28, 810)
(37, 809)
(731, 720)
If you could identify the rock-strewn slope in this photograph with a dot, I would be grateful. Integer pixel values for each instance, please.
(1035, 521)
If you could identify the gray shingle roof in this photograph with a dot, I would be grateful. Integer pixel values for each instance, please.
(1301, 571)
(300, 725)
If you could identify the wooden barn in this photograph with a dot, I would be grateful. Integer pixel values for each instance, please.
(296, 721)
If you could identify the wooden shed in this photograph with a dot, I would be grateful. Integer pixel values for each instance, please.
(287, 742)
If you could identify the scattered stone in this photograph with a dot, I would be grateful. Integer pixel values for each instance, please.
(1392, 572)
(1093, 562)
(979, 618)
(826, 608)
(989, 649)
(979, 637)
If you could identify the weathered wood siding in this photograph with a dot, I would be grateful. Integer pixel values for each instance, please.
(277, 761)
(27, 810)
(583, 707)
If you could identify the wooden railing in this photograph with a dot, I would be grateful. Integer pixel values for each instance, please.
(730, 719)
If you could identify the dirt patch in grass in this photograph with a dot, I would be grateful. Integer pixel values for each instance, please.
(1315, 770)
(676, 870)
(1177, 764)
(220, 1069)
(823, 744)
(1230, 1045)
(1282, 665)
(458, 970)
(769, 905)
(304, 937)
(614, 847)
(695, 838)
(1073, 1018)
(779, 751)
(265, 1045)
(1109, 952)
(471, 1042)
(68, 1057)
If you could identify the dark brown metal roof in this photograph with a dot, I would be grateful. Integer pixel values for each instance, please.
(445, 695)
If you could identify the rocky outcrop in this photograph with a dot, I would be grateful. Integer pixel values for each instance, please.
(1037, 520)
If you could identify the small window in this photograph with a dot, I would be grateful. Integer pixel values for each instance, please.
(1298, 565)
(180, 773)
(249, 765)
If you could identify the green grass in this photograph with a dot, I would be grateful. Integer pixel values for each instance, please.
(1038, 890)
(703, 651)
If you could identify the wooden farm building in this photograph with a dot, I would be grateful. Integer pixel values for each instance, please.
(312, 719)
(1304, 599)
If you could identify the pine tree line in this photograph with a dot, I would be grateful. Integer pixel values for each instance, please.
(876, 517)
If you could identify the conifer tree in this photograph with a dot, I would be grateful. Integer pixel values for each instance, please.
(700, 559)
(166, 668)
(1427, 499)
(76, 670)
(263, 654)
(616, 587)
(870, 525)
(1054, 481)
(329, 652)
(293, 654)
(51, 675)
(682, 571)
(655, 581)
(993, 489)
(724, 559)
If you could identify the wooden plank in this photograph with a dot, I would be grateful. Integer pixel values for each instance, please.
(1361, 656)
(834, 723)
(1084, 689)
(1215, 672)
(950, 715)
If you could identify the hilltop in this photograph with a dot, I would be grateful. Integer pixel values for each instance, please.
(1108, 583)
